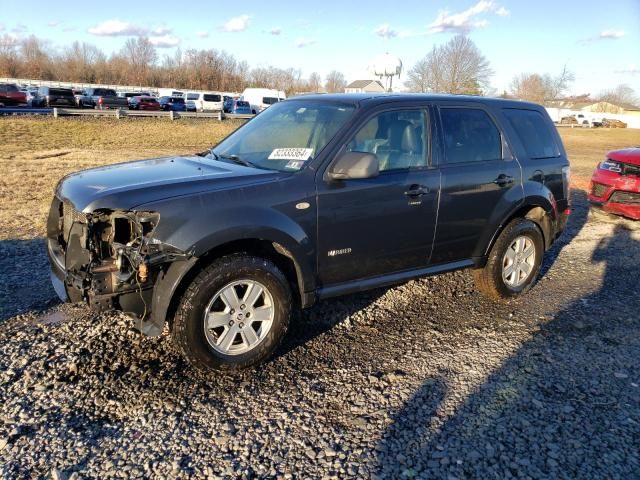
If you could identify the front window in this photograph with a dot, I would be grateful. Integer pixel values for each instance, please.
(286, 136)
(396, 138)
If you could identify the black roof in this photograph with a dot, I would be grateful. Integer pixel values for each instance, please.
(377, 98)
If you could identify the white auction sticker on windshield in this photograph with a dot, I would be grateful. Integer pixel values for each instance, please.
(301, 154)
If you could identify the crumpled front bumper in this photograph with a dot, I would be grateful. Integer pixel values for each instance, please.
(616, 193)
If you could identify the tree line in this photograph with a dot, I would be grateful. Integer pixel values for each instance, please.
(138, 63)
(457, 66)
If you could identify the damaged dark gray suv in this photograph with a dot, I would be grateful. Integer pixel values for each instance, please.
(316, 197)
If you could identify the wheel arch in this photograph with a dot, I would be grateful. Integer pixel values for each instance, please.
(173, 284)
(537, 209)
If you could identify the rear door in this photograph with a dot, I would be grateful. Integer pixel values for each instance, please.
(386, 224)
(481, 180)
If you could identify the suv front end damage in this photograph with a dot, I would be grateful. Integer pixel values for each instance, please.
(108, 259)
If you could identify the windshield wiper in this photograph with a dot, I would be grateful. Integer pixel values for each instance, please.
(235, 159)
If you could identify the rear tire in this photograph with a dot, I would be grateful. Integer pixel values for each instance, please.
(219, 325)
(513, 263)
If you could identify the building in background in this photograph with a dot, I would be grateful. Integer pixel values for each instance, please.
(364, 86)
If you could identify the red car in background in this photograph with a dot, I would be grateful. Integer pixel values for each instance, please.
(615, 185)
(11, 96)
(143, 103)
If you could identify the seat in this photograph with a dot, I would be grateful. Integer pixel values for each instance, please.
(404, 148)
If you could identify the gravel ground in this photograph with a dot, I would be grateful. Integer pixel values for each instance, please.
(427, 379)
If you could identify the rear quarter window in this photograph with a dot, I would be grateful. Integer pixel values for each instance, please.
(534, 132)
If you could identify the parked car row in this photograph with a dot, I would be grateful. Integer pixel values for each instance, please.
(252, 101)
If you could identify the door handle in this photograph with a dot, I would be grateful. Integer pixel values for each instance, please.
(503, 180)
(417, 191)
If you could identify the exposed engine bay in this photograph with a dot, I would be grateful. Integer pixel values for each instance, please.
(110, 257)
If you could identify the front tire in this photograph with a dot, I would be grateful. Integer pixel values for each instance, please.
(234, 314)
(514, 261)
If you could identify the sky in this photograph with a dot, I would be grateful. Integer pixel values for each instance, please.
(599, 41)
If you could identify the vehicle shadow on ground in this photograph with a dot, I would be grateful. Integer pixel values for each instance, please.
(565, 405)
(578, 218)
(24, 283)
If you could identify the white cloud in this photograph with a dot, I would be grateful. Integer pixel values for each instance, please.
(275, 31)
(502, 12)
(385, 31)
(115, 28)
(162, 30)
(612, 34)
(236, 24)
(202, 34)
(2, 27)
(164, 41)
(69, 29)
(53, 23)
(462, 22)
(305, 42)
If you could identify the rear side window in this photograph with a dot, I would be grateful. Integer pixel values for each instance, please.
(193, 96)
(470, 135)
(534, 133)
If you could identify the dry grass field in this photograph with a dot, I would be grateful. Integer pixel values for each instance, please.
(36, 152)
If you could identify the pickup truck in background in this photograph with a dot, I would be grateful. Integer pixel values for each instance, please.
(100, 98)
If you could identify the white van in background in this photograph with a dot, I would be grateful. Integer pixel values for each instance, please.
(206, 101)
(261, 98)
(170, 92)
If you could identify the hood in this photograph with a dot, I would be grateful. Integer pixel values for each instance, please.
(126, 185)
(626, 155)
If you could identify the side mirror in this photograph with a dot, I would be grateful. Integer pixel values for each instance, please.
(354, 165)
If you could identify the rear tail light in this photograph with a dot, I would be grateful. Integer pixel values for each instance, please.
(100, 101)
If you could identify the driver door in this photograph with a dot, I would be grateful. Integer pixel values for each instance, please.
(385, 224)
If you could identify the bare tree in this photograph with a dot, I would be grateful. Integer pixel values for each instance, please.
(314, 83)
(10, 63)
(529, 86)
(141, 56)
(539, 88)
(335, 82)
(622, 94)
(36, 61)
(455, 67)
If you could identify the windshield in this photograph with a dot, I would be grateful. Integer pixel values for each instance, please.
(287, 135)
